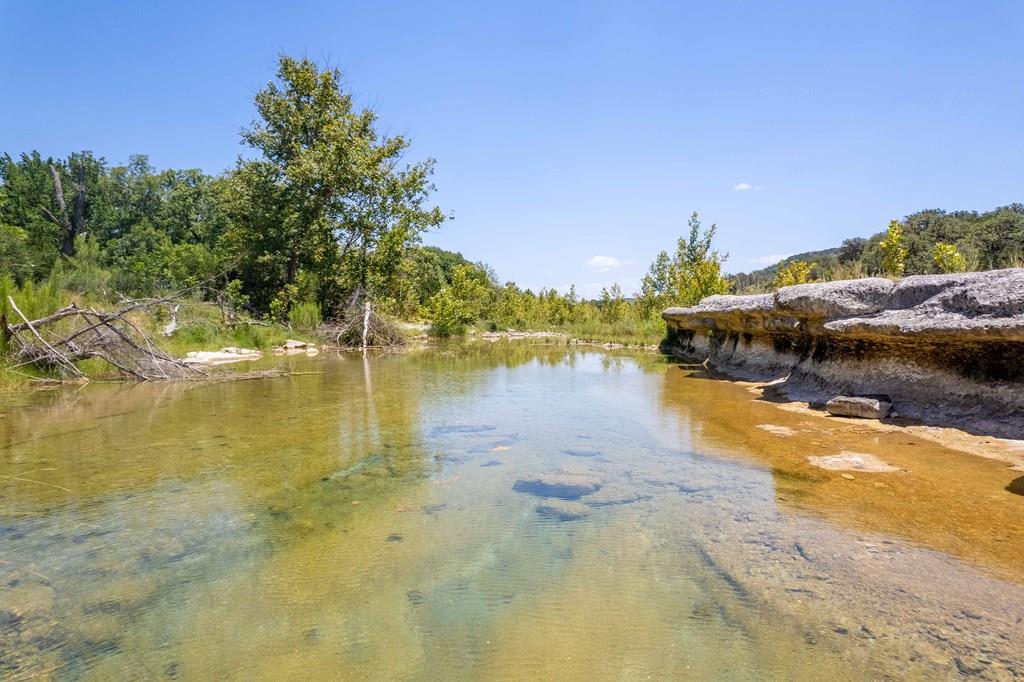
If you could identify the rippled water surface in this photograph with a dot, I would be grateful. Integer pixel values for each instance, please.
(503, 511)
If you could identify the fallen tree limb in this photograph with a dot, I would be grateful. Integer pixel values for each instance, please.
(70, 366)
(49, 344)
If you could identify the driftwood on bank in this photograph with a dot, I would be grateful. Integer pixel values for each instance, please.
(59, 340)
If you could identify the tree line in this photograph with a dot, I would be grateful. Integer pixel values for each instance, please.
(691, 272)
(925, 242)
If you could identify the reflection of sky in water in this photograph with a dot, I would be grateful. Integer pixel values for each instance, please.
(365, 523)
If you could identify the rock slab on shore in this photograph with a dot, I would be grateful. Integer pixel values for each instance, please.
(947, 349)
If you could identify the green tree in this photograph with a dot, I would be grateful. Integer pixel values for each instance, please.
(328, 194)
(656, 286)
(613, 305)
(461, 302)
(692, 273)
(894, 253)
(696, 270)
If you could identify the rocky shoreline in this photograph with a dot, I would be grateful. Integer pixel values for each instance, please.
(943, 349)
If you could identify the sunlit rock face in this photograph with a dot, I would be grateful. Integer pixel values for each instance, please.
(948, 349)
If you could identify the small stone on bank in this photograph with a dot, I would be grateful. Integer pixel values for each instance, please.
(863, 408)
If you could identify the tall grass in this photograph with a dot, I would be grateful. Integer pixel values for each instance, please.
(643, 331)
(305, 317)
(33, 300)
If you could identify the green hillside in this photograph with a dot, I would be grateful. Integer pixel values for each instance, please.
(987, 241)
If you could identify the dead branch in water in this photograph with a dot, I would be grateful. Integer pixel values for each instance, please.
(59, 340)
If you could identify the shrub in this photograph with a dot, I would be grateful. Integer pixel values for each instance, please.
(947, 258)
(894, 253)
(795, 272)
(459, 303)
(305, 316)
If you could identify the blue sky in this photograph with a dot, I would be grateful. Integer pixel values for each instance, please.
(572, 140)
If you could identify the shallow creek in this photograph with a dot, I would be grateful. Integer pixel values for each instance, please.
(492, 511)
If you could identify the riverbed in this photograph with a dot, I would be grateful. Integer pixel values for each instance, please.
(498, 511)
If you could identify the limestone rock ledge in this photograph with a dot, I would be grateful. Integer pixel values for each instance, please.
(948, 349)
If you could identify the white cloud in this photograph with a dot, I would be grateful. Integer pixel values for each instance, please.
(604, 263)
(746, 187)
(771, 259)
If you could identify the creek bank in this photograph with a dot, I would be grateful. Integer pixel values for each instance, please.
(946, 350)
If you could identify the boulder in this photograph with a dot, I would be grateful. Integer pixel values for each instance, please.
(862, 407)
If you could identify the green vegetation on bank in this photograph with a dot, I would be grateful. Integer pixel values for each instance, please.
(684, 277)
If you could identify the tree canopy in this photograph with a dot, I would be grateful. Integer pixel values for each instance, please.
(326, 206)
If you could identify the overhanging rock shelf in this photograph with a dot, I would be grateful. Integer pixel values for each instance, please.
(948, 349)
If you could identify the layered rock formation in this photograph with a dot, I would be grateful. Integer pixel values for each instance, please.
(947, 349)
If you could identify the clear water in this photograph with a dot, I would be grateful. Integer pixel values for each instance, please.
(403, 517)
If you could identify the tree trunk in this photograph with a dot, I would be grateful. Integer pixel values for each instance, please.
(71, 226)
(78, 212)
(293, 268)
(366, 324)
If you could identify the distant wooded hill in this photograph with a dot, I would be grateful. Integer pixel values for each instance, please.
(987, 241)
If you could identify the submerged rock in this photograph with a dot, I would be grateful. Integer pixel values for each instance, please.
(25, 600)
(562, 510)
(863, 408)
(948, 348)
(777, 430)
(561, 485)
(616, 494)
(852, 461)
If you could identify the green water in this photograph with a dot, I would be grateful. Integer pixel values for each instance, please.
(402, 516)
